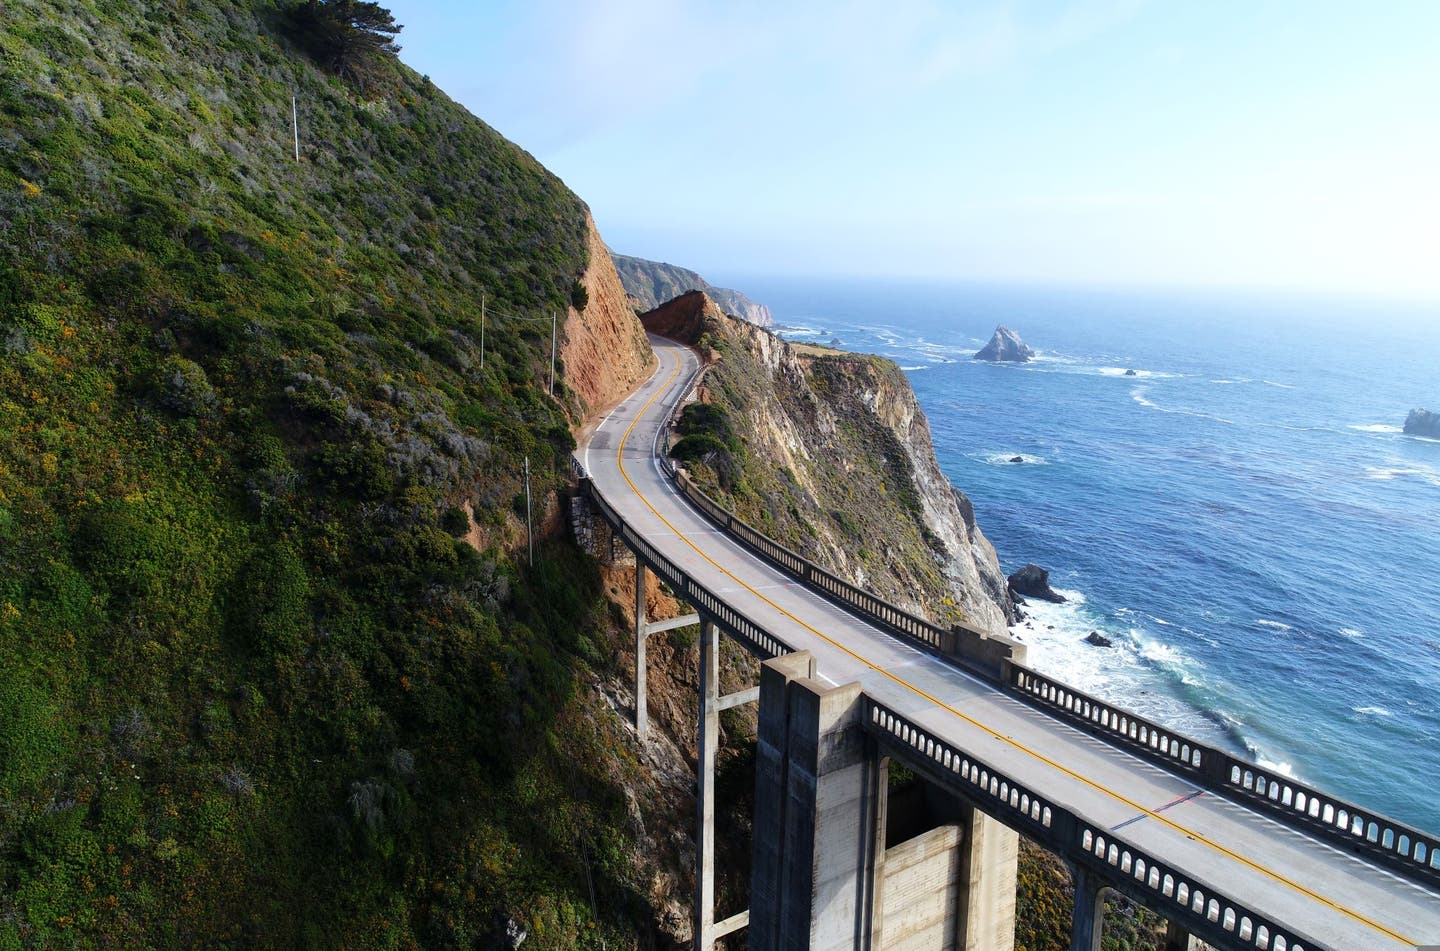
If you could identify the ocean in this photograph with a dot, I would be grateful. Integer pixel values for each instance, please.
(1241, 516)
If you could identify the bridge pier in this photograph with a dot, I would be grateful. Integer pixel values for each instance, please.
(822, 877)
(1177, 938)
(818, 794)
(642, 704)
(1087, 919)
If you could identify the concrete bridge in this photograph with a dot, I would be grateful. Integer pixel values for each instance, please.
(1231, 854)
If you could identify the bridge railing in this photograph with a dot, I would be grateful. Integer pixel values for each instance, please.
(1203, 910)
(707, 603)
(972, 649)
(1383, 840)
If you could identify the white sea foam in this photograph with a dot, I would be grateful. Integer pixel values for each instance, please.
(1136, 374)
(1352, 632)
(1277, 625)
(920, 366)
(1284, 769)
(1371, 711)
(1389, 473)
(1008, 459)
(1378, 428)
(1138, 395)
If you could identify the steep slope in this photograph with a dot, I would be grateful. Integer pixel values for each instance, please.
(605, 353)
(651, 283)
(830, 453)
(255, 689)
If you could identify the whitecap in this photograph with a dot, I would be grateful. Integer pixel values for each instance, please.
(1136, 374)
(1283, 386)
(1138, 395)
(1284, 769)
(1390, 473)
(1009, 459)
(1378, 428)
(921, 366)
(1371, 711)
(1352, 632)
(1277, 625)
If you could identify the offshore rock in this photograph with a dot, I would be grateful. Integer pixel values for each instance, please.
(1099, 640)
(1422, 422)
(1032, 581)
(1005, 347)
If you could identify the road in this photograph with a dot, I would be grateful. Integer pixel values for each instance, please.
(1333, 897)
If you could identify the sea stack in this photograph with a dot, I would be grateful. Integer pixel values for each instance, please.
(1005, 347)
(1032, 581)
(1422, 422)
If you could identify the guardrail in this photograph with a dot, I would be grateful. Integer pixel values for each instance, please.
(709, 605)
(1393, 844)
(975, 650)
(1203, 910)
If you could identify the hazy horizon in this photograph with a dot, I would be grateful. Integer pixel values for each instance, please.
(1100, 142)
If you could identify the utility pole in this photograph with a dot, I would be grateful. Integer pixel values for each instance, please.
(552, 353)
(482, 330)
(529, 526)
(295, 125)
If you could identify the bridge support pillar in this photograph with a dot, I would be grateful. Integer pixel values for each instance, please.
(1087, 920)
(1179, 939)
(989, 853)
(819, 792)
(642, 704)
(709, 738)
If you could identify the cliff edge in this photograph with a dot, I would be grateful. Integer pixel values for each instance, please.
(652, 283)
(603, 349)
(830, 453)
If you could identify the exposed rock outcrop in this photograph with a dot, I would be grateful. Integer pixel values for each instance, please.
(603, 347)
(1422, 422)
(1032, 581)
(838, 464)
(651, 283)
(1005, 347)
(684, 318)
(1098, 639)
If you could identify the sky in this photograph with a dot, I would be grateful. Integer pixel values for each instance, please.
(1236, 144)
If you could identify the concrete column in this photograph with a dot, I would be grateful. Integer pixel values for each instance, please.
(642, 704)
(709, 739)
(771, 780)
(985, 914)
(1087, 921)
(818, 795)
(1178, 939)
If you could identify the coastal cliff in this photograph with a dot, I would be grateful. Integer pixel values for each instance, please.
(832, 456)
(652, 283)
(603, 349)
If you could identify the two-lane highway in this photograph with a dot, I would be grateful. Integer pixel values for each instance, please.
(1335, 898)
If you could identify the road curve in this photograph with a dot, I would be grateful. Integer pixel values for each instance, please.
(1335, 898)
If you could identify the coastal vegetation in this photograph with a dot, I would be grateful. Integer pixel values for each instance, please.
(270, 672)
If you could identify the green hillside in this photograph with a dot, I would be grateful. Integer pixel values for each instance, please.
(254, 689)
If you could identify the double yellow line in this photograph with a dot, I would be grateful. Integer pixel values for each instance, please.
(1196, 836)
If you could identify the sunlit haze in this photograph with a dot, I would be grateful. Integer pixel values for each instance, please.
(1229, 143)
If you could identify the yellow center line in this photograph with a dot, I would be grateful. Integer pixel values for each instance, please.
(1164, 820)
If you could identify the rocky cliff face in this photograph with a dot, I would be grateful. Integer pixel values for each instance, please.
(836, 461)
(651, 283)
(603, 348)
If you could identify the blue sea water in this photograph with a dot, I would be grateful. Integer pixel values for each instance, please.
(1242, 516)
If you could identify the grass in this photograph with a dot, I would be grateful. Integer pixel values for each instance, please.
(253, 691)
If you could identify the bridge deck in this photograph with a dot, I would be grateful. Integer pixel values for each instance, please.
(1333, 897)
